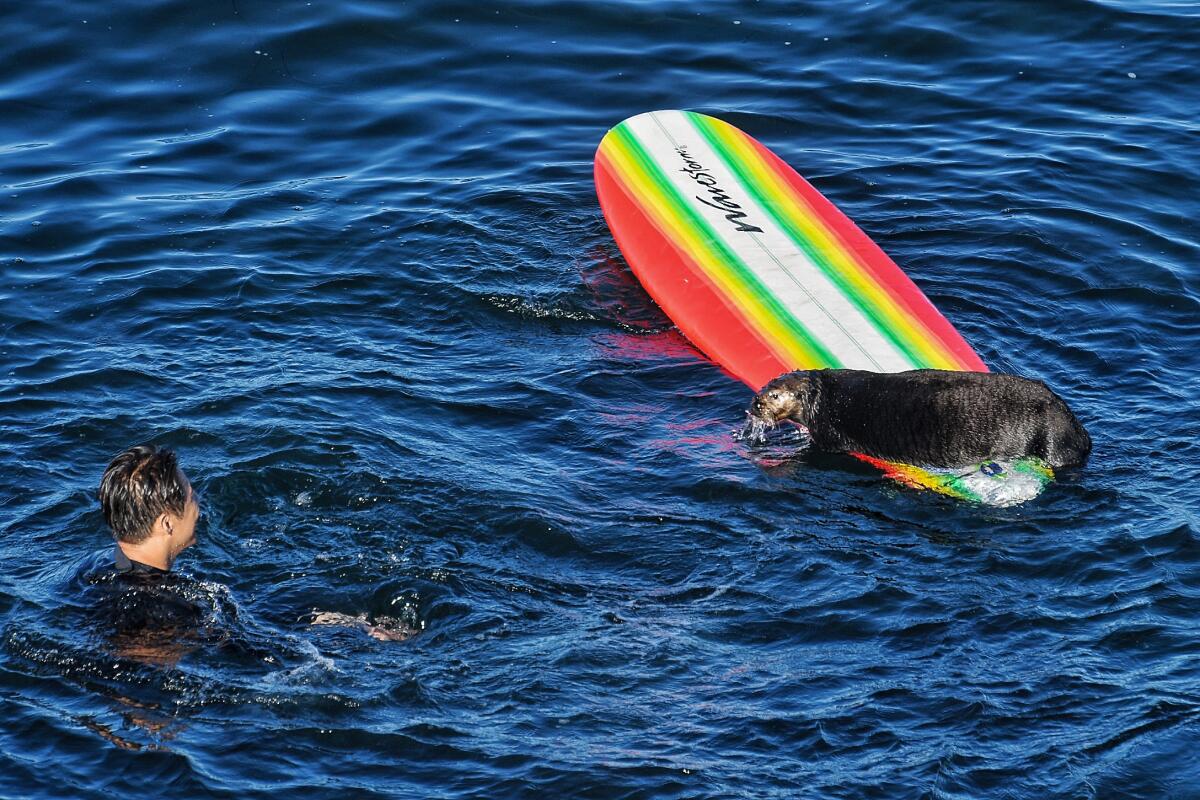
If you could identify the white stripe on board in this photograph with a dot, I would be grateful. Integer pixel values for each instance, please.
(742, 225)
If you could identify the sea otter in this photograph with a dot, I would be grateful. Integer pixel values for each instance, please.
(930, 417)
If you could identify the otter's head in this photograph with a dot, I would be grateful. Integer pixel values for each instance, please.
(786, 397)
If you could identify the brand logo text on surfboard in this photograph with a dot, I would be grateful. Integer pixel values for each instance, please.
(719, 200)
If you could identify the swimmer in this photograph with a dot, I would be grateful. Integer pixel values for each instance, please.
(152, 510)
(928, 417)
(151, 615)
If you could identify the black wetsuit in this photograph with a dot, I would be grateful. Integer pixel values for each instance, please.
(134, 602)
(130, 597)
(127, 566)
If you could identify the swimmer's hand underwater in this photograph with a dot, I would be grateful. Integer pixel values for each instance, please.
(385, 629)
(929, 417)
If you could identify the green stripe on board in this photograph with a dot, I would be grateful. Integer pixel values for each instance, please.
(961, 490)
(737, 269)
(869, 309)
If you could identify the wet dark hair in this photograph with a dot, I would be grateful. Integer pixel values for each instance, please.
(139, 485)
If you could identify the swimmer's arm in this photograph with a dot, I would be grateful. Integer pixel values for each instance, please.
(384, 633)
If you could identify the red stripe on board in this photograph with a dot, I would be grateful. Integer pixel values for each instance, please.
(681, 287)
(877, 264)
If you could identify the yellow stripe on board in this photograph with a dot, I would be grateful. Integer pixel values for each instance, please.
(772, 332)
(804, 218)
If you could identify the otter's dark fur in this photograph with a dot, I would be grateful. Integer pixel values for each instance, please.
(931, 417)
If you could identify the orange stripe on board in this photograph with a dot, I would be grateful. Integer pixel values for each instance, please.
(755, 365)
(650, 197)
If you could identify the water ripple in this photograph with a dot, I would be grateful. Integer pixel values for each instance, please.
(348, 260)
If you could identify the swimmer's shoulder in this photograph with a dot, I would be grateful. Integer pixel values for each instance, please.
(126, 595)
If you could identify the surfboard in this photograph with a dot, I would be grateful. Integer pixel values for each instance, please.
(764, 275)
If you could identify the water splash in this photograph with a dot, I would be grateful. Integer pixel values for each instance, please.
(770, 444)
(754, 430)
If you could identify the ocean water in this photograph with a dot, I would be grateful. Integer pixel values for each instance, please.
(346, 258)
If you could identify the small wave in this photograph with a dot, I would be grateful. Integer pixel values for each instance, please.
(1166, 8)
(314, 667)
(535, 309)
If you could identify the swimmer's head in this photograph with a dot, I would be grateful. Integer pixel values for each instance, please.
(144, 494)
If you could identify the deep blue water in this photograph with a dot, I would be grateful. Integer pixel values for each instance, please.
(346, 259)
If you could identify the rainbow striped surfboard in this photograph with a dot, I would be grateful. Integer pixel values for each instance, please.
(764, 274)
